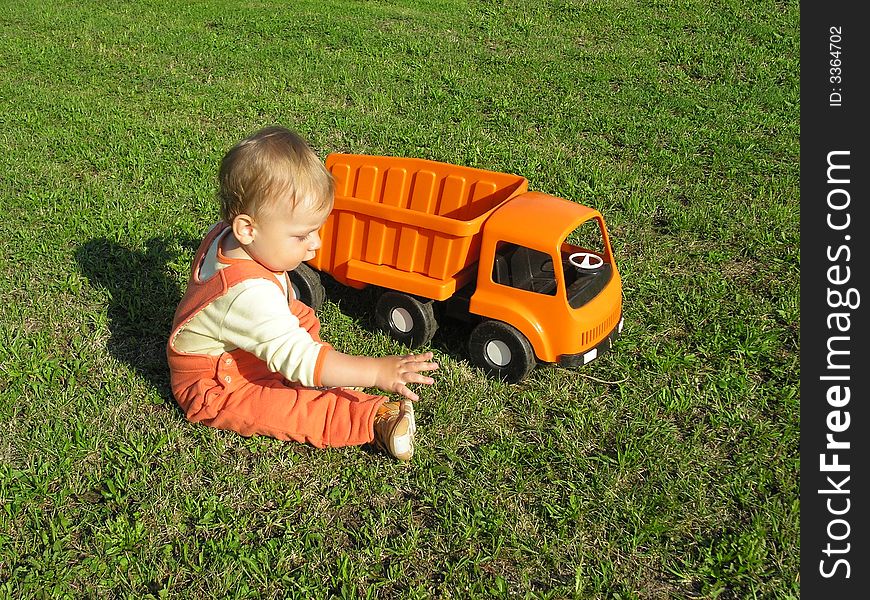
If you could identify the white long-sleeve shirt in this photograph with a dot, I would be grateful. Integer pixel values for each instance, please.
(253, 315)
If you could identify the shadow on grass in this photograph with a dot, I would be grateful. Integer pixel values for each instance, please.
(143, 296)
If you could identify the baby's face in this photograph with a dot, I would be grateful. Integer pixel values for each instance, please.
(286, 238)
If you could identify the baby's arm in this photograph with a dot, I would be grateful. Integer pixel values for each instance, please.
(389, 373)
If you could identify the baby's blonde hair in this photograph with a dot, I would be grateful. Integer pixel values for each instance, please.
(270, 165)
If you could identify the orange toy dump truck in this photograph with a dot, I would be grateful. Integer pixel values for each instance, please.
(532, 274)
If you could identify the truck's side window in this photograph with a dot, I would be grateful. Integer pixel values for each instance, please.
(524, 268)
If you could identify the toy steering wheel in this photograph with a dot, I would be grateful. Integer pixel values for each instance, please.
(586, 261)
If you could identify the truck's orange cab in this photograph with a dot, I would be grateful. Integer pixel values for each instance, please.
(477, 245)
(565, 309)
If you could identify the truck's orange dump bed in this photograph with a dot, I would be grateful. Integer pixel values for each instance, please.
(411, 225)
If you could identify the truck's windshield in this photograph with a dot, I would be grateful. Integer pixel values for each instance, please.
(584, 261)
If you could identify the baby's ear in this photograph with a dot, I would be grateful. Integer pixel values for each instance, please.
(243, 229)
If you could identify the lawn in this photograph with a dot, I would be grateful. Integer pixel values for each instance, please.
(668, 468)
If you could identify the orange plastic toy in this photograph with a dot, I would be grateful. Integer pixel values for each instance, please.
(533, 274)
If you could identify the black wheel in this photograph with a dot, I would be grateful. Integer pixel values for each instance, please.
(407, 319)
(307, 286)
(502, 351)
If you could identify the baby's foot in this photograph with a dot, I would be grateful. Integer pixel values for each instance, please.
(394, 429)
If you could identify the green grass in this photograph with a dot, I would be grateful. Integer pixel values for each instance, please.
(668, 468)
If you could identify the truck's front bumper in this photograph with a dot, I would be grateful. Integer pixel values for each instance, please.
(577, 360)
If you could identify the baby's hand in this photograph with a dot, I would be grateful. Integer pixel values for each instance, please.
(394, 372)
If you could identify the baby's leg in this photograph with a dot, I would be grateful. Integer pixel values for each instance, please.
(333, 417)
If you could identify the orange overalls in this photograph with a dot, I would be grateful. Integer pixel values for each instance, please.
(237, 391)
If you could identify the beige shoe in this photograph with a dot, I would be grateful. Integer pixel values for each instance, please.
(394, 429)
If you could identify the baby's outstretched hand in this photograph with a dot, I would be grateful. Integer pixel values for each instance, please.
(395, 372)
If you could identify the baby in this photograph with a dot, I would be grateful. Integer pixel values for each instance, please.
(244, 354)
